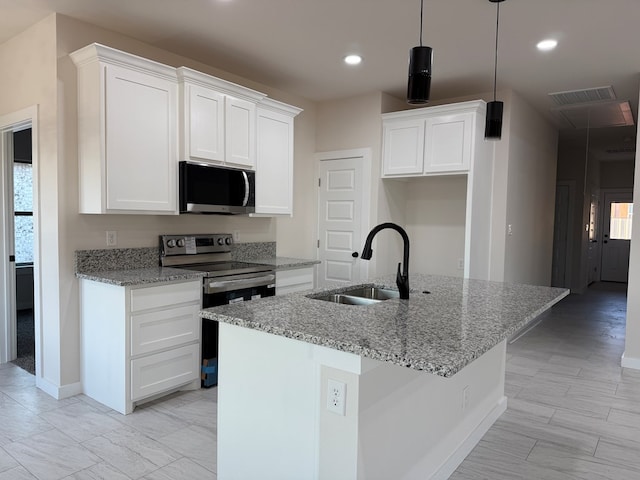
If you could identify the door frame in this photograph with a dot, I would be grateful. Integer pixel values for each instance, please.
(19, 120)
(603, 194)
(365, 221)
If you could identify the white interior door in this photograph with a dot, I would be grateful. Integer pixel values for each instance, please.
(342, 219)
(8, 346)
(616, 236)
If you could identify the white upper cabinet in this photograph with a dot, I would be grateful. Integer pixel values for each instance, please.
(448, 143)
(430, 141)
(127, 133)
(403, 147)
(217, 120)
(203, 123)
(274, 170)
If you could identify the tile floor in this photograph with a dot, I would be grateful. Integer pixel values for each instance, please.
(80, 439)
(573, 414)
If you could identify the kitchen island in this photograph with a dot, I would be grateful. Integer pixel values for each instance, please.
(397, 389)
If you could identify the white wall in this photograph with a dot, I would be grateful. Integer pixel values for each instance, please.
(631, 357)
(355, 123)
(617, 174)
(29, 78)
(531, 185)
(435, 215)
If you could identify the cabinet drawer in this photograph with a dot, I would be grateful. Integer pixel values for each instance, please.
(163, 371)
(157, 330)
(288, 281)
(164, 295)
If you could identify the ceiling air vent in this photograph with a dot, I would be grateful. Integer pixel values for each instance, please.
(578, 97)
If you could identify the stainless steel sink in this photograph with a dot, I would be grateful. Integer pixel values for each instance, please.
(346, 299)
(362, 295)
(375, 293)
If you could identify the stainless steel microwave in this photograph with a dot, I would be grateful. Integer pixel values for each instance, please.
(208, 188)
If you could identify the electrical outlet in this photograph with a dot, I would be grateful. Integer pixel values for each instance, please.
(112, 238)
(236, 235)
(465, 398)
(509, 229)
(336, 397)
(461, 264)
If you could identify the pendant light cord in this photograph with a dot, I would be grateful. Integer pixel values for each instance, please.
(421, 15)
(495, 68)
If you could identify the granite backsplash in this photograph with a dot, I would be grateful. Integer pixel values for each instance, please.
(134, 258)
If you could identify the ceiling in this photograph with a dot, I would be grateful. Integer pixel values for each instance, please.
(298, 45)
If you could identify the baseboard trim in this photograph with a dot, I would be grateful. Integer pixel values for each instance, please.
(630, 362)
(457, 457)
(57, 392)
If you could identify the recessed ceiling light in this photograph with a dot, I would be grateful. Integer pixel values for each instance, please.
(546, 45)
(352, 59)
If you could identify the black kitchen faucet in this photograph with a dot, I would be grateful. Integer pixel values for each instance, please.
(402, 279)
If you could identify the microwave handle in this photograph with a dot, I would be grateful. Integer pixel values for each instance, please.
(246, 189)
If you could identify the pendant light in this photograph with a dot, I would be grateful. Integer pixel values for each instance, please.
(419, 84)
(493, 123)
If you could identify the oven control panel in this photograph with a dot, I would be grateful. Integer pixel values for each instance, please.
(195, 244)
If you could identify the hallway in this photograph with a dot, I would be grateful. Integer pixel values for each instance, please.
(573, 412)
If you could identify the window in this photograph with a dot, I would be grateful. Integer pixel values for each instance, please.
(620, 226)
(23, 197)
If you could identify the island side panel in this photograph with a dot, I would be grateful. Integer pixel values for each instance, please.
(268, 396)
(415, 425)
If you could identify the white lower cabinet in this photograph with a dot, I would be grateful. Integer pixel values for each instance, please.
(139, 342)
(297, 280)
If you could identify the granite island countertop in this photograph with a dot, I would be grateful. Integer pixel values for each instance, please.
(439, 332)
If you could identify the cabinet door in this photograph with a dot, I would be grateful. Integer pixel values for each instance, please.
(448, 143)
(403, 149)
(140, 141)
(240, 127)
(274, 167)
(205, 130)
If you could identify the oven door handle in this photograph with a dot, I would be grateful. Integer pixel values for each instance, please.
(213, 286)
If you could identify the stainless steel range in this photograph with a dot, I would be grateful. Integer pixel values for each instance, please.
(225, 280)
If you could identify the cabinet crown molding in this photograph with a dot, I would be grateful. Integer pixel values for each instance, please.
(279, 107)
(474, 106)
(188, 75)
(97, 52)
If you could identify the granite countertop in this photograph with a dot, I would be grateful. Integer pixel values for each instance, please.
(439, 332)
(140, 276)
(285, 263)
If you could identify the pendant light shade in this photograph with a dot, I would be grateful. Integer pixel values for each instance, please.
(419, 84)
(493, 122)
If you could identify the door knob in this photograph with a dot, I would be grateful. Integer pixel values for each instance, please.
(354, 254)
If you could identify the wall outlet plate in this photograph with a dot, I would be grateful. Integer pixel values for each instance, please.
(112, 238)
(336, 397)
